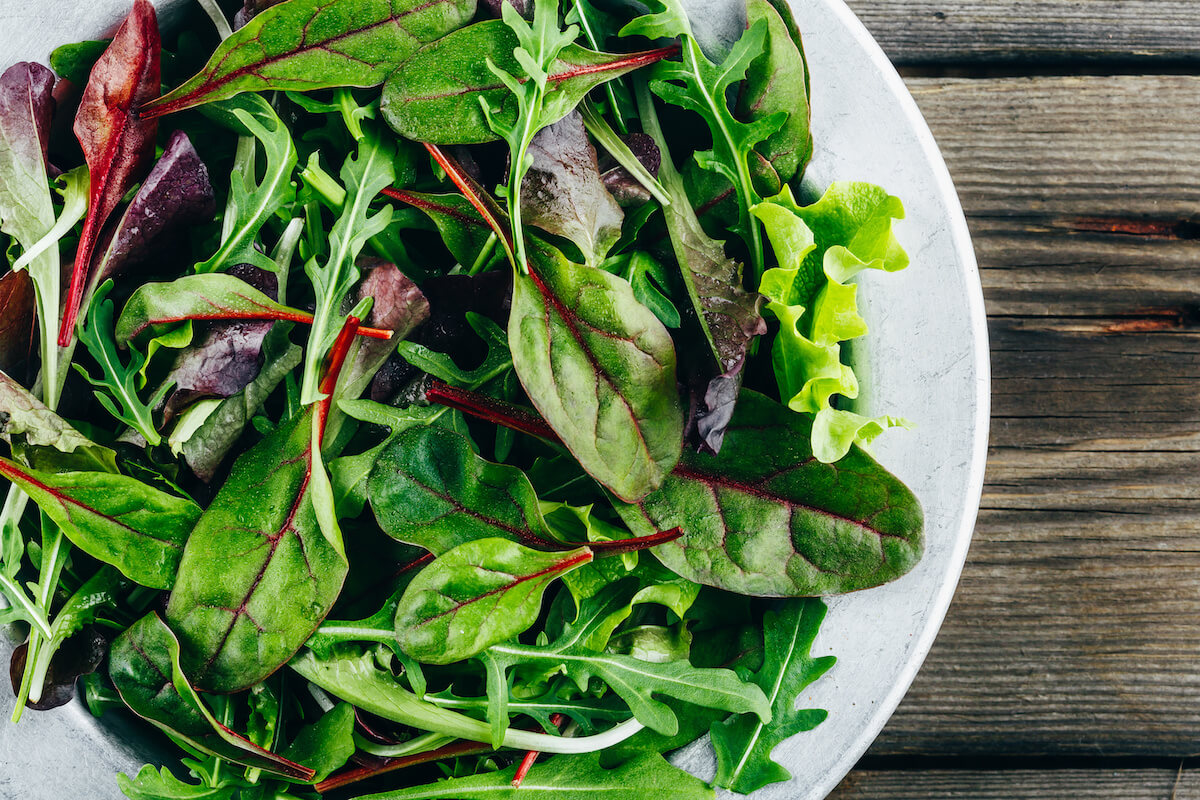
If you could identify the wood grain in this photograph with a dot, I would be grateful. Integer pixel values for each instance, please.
(1076, 628)
(983, 31)
(1098, 784)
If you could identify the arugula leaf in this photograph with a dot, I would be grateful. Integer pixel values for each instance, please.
(161, 784)
(766, 518)
(252, 201)
(117, 141)
(144, 665)
(476, 595)
(74, 190)
(600, 368)
(648, 775)
(364, 174)
(701, 87)
(820, 248)
(120, 381)
(317, 44)
(743, 743)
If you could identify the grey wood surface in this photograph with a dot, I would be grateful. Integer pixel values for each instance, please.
(1074, 638)
(991, 31)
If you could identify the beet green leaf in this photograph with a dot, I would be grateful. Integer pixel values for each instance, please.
(767, 518)
(144, 665)
(476, 595)
(258, 574)
(744, 743)
(600, 368)
(315, 44)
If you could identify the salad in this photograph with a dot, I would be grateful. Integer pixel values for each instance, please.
(415, 398)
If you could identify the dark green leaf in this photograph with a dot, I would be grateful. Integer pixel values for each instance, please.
(463, 230)
(144, 666)
(743, 743)
(581, 777)
(316, 44)
(766, 518)
(476, 595)
(259, 574)
(119, 520)
(74, 61)
(436, 95)
(600, 368)
(326, 744)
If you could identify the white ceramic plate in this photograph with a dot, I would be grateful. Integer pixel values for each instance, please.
(925, 358)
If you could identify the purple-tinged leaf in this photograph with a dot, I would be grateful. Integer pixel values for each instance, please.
(42, 439)
(79, 655)
(624, 187)
(26, 106)
(251, 9)
(766, 518)
(176, 193)
(117, 141)
(316, 44)
(563, 194)
(17, 319)
(221, 364)
(144, 666)
(399, 307)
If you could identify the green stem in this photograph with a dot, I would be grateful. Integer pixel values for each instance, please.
(485, 255)
(608, 139)
(582, 10)
(17, 596)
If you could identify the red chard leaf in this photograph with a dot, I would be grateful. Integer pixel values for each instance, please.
(117, 141)
(177, 192)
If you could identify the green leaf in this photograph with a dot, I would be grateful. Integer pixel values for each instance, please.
(317, 44)
(154, 784)
(144, 667)
(766, 518)
(463, 230)
(43, 439)
(364, 175)
(436, 96)
(74, 61)
(600, 368)
(635, 681)
(429, 488)
(258, 574)
(326, 744)
(441, 366)
(743, 743)
(206, 446)
(253, 200)
(648, 775)
(777, 81)
(114, 518)
(820, 248)
(476, 595)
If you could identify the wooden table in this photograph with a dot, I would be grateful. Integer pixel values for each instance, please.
(1069, 663)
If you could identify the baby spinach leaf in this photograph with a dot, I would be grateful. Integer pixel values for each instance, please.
(144, 665)
(767, 518)
(600, 368)
(464, 232)
(636, 682)
(429, 488)
(476, 595)
(176, 193)
(563, 194)
(117, 141)
(648, 775)
(728, 315)
(117, 519)
(436, 95)
(74, 61)
(26, 210)
(820, 248)
(743, 743)
(326, 744)
(258, 574)
(30, 429)
(778, 81)
(253, 200)
(315, 44)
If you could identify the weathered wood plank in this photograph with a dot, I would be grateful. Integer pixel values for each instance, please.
(1075, 628)
(933, 31)
(1124, 784)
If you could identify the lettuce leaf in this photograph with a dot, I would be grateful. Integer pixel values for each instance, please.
(820, 248)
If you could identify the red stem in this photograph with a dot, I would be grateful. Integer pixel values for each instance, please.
(621, 546)
(474, 193)
(496, 411)
(461, 748)
(527, 762)
(282, 316)
(333, 369)
(425, 205)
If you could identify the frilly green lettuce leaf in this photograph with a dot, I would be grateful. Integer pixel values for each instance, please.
(820, 248)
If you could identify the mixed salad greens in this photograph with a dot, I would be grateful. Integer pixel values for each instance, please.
(395, 406)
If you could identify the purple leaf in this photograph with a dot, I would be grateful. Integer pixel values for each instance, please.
(26, 107)
(16, 321)
(176, 193)
(399, 306)
(627, 189)
(563, 194)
